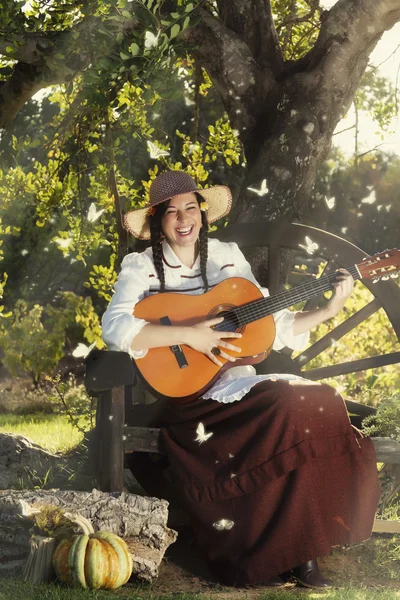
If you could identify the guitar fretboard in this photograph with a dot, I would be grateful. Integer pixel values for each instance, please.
(252, 311)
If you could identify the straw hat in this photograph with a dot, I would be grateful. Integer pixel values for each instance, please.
(167, 186)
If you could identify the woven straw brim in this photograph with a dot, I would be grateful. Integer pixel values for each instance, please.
(218, 198)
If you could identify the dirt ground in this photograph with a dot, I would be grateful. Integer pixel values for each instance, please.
(183, 570)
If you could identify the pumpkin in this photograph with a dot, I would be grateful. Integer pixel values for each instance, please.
(93, 560)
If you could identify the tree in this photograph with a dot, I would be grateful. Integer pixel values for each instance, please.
(285, 72)
(283, 93)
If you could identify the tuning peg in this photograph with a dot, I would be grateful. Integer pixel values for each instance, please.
(385, 277)
(375, 280)
(394, 275)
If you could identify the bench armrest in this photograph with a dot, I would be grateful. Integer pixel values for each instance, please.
(106, 370)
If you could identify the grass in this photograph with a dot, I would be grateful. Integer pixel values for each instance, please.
(54, 432)
(11, 589)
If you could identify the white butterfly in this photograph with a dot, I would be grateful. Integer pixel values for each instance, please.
(223, 524)
(155, 151)
(188, 101)
(94, 214)
(369, 199)
(310, 247)
(150, 40)
(330, 202)
(63, 242)
(263, 189)
(344, 229)
(82, 351)
(202, 436)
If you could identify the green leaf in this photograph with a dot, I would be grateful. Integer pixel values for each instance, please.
(134, 49)
(186, 23)
(175, 29)
(124, 56)
(189, 7)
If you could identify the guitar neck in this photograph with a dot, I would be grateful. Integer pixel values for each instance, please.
(263, 307)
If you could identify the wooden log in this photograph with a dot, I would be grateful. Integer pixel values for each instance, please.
(141, 521)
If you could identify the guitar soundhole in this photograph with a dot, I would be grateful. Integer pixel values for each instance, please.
(230, 322)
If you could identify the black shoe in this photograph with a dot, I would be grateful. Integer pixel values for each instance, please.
(309, 575)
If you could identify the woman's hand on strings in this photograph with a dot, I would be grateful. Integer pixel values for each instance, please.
(206, 340)
(343, 287)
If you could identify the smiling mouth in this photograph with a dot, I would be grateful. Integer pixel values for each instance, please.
(184, 231)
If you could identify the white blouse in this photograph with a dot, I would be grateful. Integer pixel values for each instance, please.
(138, 279)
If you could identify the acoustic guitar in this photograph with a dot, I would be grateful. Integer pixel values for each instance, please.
(181, 372)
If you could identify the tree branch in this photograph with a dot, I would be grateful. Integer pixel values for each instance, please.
(48, 59)
(252, 20)
(25, 81)
(349, 32)
(229, 62)
(29, 47)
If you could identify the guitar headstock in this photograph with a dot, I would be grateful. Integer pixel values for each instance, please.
(382, 266)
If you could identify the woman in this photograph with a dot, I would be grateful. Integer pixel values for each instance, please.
(271, 471)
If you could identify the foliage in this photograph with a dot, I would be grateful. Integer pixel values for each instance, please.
(359, 200)
(377, 96)
(297, 25)
(72, 401)
(386, 421)
(33, 340)
(373, 336)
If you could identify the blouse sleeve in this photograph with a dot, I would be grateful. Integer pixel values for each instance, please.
(119, 326)
(284, 319)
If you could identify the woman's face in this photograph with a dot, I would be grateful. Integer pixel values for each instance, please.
(181, 221)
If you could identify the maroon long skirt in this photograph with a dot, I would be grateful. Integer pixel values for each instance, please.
(273, 480)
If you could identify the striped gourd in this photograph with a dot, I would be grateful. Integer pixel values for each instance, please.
(93, 560)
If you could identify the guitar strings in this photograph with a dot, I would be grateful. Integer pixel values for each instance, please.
(265, 306)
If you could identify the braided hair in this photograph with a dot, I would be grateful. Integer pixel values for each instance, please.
(157, 236)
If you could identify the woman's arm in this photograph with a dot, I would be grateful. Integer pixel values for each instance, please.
(200, 337)
(123, 331)
(292, 328)
(343, 287)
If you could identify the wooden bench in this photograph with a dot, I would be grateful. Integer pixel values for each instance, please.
(122, 420)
